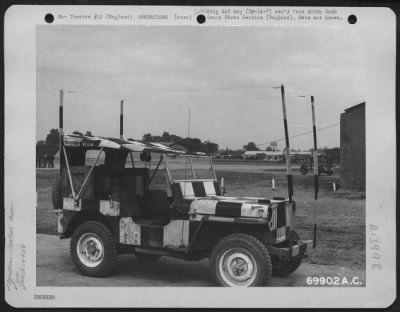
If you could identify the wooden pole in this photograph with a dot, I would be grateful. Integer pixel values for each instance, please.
(315, 158)
(61, 127)
(288, 166)
(121, 121)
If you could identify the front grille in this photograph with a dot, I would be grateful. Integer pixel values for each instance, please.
(280, 221)
(281, 215)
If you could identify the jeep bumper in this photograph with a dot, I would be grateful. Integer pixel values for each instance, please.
(299, 249)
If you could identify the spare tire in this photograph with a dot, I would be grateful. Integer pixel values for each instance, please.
(56, 195)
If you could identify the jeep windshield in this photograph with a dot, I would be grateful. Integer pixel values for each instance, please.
(185, 167)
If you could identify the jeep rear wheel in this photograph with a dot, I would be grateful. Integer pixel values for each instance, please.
(93, 249)
(240, 260)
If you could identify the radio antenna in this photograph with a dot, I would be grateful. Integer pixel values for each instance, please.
(189, 123)
(187, 158)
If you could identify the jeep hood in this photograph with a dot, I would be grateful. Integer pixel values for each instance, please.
(234, 207)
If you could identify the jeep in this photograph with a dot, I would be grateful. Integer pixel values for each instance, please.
(110, 200)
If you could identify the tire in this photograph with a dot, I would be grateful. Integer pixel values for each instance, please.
(56, 195)
(240, 260)
(284, 268)
(142, 257)
(103, 259)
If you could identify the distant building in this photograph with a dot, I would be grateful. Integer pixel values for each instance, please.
(264, 155)
(352, 147)
(333, 155)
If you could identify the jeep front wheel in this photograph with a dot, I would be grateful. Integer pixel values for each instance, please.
(93, 249)
(240, 260)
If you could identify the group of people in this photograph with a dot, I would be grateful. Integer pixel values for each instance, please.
(44, 160)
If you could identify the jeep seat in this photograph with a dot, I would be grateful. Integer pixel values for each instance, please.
(155, 210)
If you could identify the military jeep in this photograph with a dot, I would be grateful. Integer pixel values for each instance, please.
(110, 200)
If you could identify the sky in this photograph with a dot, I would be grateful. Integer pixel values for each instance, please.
(223, 76)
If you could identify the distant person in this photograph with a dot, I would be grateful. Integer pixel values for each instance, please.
(48, 161)
(45, 161)
(41, 160)
(51, 161)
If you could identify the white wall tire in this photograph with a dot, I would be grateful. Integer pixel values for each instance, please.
(93, 249)
(240, 260)
(90, 250)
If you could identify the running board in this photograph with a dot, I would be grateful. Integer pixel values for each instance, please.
(158, 252)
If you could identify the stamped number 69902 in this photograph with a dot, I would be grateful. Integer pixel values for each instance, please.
(333, 281)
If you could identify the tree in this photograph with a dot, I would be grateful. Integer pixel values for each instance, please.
(88, 133)
(156, 138)
(166, 137)
(147, 137)
(175, 138)
(251, 146)
(269, 149)
(210, 147)
(191, 144)
(52, 138)
(51, 144)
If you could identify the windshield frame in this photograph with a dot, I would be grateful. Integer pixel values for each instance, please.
(170, 176)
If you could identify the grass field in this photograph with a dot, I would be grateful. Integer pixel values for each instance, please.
(340, 215)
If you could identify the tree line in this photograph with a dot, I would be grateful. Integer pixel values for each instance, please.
(190, 144)
(49, 146)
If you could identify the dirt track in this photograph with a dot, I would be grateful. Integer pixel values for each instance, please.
(55, 268)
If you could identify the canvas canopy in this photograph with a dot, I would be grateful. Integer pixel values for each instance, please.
(71, 140)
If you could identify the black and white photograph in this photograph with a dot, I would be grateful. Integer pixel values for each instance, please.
(202, 156)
